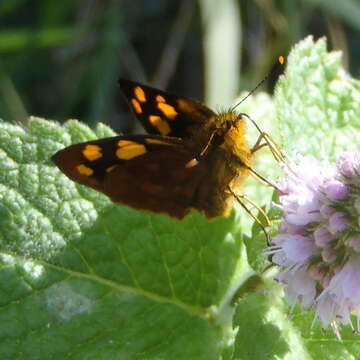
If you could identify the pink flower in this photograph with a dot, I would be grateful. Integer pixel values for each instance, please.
(338, 222)
(322, 236)
(336, 190)
(349, 164)
(354, 242)
(318, 245)
(342, 294)
(300, 287)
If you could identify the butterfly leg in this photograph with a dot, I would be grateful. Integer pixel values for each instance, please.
(206, 148)
(240, 199)
(258, 144)
(274, 148)
(260, 178)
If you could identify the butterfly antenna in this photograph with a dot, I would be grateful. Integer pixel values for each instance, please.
(275, 69)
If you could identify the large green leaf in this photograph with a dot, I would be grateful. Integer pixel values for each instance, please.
(317, 103)
(81, 277)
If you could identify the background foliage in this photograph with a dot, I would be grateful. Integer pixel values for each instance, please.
(62, 60)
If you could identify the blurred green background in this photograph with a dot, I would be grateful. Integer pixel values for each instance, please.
(62, 59)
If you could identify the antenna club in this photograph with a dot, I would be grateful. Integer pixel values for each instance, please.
(274, 70)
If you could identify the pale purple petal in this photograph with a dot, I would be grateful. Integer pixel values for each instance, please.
(306, 211)
(328, 255)
(349, 164)
(322, 236)
(299, 249)
(354, 242)
(336, 190)
(316, 271)
(288, 228)
(279, 239)
(326, 210)
(346, 283)
(280, 258)
(338, 222)
(326, 309)
(301, 287)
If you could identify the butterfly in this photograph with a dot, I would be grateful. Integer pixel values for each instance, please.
(191, 158)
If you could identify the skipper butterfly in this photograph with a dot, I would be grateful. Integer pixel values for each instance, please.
(192, 157)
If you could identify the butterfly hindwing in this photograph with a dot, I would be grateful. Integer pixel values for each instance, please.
(162, 113)
(146, 172)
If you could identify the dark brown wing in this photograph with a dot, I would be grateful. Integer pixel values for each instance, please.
(145, 172)
(163, 113)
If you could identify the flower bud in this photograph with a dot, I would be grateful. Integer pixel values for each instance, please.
(349, 164)
(338, 222)
(322, 236)
(336, 190)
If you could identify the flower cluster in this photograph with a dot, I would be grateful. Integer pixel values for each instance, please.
(318, 246)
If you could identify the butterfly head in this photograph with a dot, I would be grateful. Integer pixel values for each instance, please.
(230, 130)
(230, 126)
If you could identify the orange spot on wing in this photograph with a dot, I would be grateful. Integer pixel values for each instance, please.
(281, 60)
(122, 143)
(140, 94)
(136, 106)
(92, 152)
(160, 99)
(111, 168)
(184, 105)
(190, 164)
(158, 141)
(130, 151)
(160, 124)
(168, 110)
(84, 170)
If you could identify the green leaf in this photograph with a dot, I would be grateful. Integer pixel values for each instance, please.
(257, 242)
(18, 40)
(265, 332)
(317, 103)
(81, 277)
(323, 344)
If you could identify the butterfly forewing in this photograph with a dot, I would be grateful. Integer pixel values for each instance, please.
(163, 113)
(145, 172)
